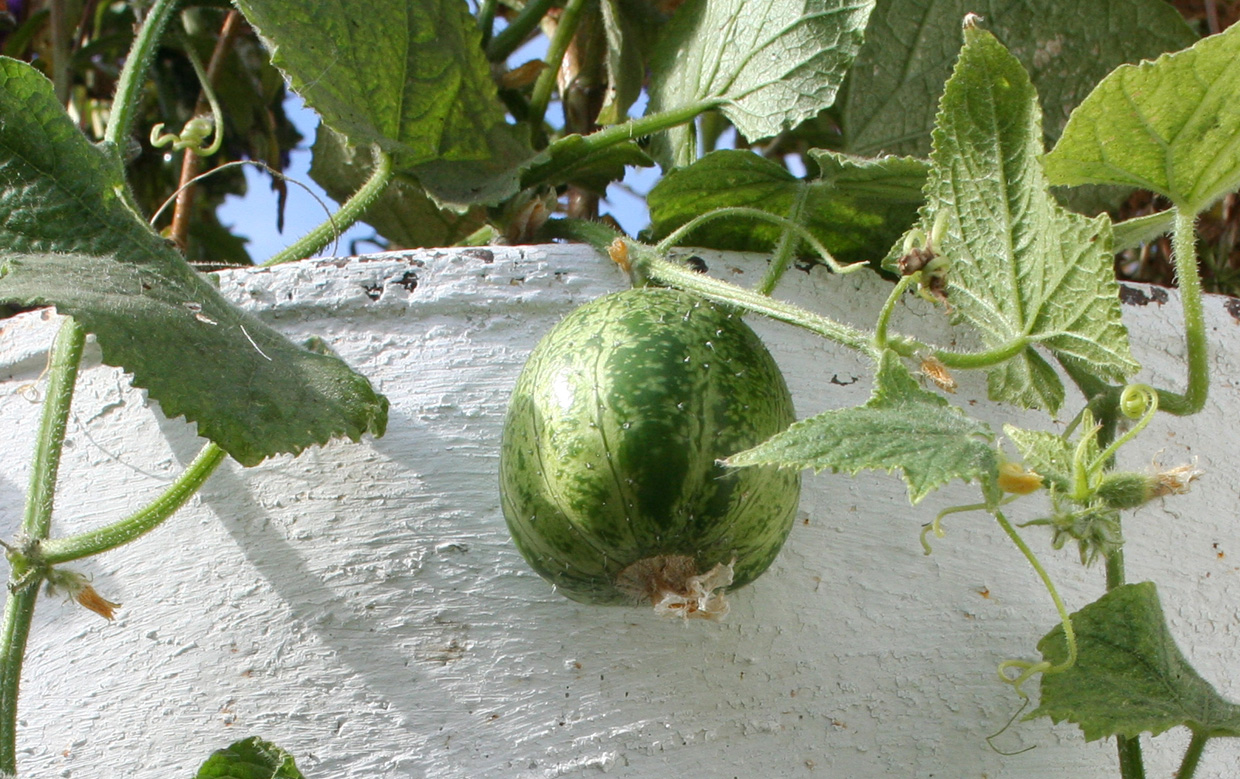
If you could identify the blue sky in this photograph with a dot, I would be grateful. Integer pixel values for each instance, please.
(254, 216)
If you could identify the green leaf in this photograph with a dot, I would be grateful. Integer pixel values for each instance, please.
(572, 160)
(250, 389)
(252, 758)
(458, 184)
(68, 238)
(627, 36)
(894, 87)
(1022, 270)
(404, 214)
(902, 426)
(768, 64)
(1172, 126)
(856, 207)
(1129, 677)
(1046, 453)
(407, 75)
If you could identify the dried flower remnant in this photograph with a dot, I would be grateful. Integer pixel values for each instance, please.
(78, 587)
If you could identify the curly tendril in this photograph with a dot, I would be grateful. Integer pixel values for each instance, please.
(1137, 401)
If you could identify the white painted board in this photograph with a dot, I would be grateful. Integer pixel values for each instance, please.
(363, 607)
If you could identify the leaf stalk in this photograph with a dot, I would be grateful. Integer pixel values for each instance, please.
(1184, 247)
(674, 275)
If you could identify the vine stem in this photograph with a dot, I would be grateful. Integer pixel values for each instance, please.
(674, 275)
(790, 226)
(1064, 618)
(543, 87)
(974, 360)
(786, 249)
(348, 213)
(36, 523)
(619, 133)
(486, 20)
(512, 36)
(62, 550)
(137, 62)
(889, 307)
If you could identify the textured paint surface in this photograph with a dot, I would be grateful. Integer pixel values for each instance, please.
(363, 606)
(610, 448)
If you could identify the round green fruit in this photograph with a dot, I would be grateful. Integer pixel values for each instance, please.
(609, 472)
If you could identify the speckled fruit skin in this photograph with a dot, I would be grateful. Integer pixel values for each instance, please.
(612, 435)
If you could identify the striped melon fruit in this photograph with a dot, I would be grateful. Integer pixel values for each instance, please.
(608, 467)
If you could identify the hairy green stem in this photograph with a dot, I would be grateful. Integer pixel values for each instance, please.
(62, 374)
(613, 135)
(348, 213)
(133, 75)
(1065, 620)
(786, 248)
(1184, 247)
(787, 224)
(545, 85)
(512, 36)
(1131, 763)
(62, 550)
(972, 360)
(61, 52)
(1192, 755)
(674, 275)
(18, 613)
(889, 307)
(19, 608)
(1106, 413)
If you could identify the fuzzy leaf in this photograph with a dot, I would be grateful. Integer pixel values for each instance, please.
(252, 758)
(894, 87)
(1044, 452)
(250, 389)
(1129, 677)
(855, 206)
(902, 426)
(1021, 268)
(1172, 126)
(767, 64)
(69, 239)
(408, 77)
